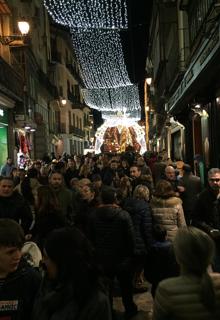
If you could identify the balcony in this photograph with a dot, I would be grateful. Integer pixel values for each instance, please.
(76, 103)
(78, 132)
(10, 82)
(45, 82)
(74, 73)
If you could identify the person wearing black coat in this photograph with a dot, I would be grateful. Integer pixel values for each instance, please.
(206, 214)
(112, 234)
(19, 282)
(13, 205)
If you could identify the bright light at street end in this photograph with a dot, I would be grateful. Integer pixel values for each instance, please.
(23, 27)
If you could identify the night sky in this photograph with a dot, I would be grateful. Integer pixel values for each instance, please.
(135, 43)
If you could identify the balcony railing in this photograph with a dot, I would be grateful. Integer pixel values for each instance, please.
(10, 81)
(78, 132)
(45, 81)
(74, 73)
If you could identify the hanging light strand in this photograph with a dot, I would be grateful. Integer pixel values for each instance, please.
(101, 59)
(89, 14)
(113, 99)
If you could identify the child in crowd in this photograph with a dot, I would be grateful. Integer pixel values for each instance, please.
(160, 261)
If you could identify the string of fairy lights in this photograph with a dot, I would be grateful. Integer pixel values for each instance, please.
(95, 28)
(113, 99)
(89, 14)
(100, 56)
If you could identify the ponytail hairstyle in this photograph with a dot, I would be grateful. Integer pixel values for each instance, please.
(194, 251)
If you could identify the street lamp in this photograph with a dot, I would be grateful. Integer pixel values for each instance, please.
(17, 39)
(147, 82)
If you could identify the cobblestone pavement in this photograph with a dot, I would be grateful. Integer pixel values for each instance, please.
(144, 302)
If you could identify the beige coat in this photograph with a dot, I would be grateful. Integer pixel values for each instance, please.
(178, 298)
(169, 214)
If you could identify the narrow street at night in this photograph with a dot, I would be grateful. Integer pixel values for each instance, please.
(109, 160)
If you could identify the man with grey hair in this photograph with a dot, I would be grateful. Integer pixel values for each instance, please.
(206, 215)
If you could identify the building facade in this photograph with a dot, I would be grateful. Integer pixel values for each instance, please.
(184, 54)
(38, 71)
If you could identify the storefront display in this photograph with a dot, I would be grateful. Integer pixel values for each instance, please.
(3, 136)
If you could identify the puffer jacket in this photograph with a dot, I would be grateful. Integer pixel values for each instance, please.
(169, 214)
(112, 234)
(179, 299)
(141, 216)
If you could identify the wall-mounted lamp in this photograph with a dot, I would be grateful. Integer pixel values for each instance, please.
(149, 81)
(23, 27)
(63, 101)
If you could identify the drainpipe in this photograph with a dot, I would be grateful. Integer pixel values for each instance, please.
(181, 38)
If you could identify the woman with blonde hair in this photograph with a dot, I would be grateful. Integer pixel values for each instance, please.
(195, 294)
(167, 209)
(140, 212)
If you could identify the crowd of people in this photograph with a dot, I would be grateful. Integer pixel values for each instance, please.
(70, 227)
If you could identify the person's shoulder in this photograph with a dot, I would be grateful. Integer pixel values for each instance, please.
(171, 284)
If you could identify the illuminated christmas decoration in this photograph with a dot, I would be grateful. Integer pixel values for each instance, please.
(117, 134)
(100, 57)
(89, 14)
(124, 99)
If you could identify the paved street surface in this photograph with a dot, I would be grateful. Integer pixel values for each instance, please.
(144, 302)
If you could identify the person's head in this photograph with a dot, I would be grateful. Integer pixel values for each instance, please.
(114, 165)
(97, 180)
(9, 161)
(141, 192)
(56, 180)
(124, 163)
(214, 179)
(164, 189)
(135, 172)
(68, 259)
(14, 173)
(140, 162)
(187, 169)
(87, 192)
(170, 173)
(6, 186)
(32, 173)
(159, 233)
(46, 199)
(21, 174)
(194, 250)
(37, 165)
(11, 242)
(108, 195)
(71, 163)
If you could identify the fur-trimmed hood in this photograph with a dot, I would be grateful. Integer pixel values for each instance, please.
(165, 203)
